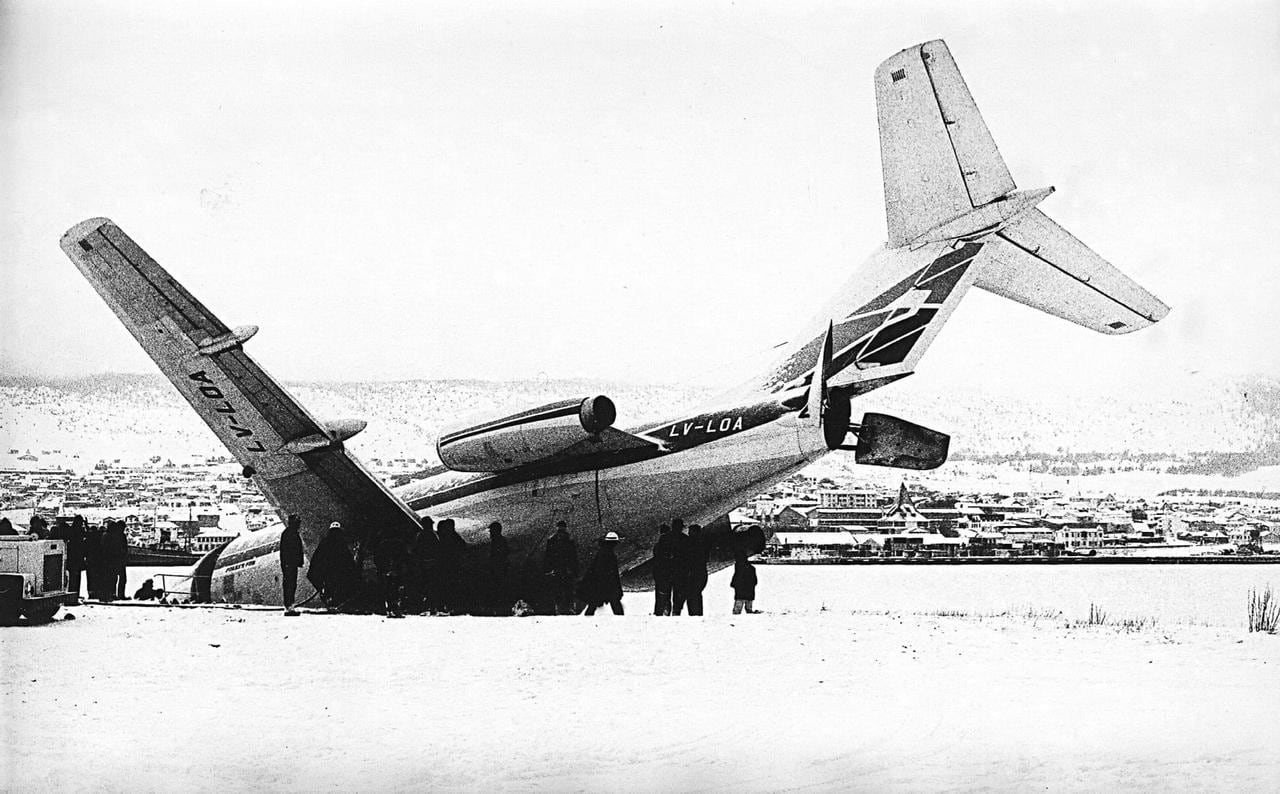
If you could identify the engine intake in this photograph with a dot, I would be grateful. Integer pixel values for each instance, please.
(526, 437)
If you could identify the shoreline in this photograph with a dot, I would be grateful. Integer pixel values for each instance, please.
(1109, 559)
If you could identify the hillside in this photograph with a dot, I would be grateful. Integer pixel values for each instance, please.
(132, 417)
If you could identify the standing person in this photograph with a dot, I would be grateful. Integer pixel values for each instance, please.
(290, 561)
(664, 565)
(602, 583)
(115, 556)
(390, 558)
(744, 577)
(449, 567)
(333, 572)
(679, 565)
(38, 526)
(499, 571)
(92, 560)
(561, 567)
(695, 552)
(75, 557)
(425, 589)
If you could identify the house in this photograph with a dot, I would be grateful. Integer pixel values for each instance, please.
(810, 545)
(210, 539)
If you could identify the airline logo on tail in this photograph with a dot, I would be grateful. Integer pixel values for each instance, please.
(884, 330)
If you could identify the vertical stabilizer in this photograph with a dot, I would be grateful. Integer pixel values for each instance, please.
(938, 157)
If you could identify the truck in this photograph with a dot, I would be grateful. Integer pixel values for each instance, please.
(33, 578)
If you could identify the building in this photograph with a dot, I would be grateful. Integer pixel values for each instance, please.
(860, 499)
(210, 539)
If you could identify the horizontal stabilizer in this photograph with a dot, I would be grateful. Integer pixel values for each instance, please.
(1034, 261)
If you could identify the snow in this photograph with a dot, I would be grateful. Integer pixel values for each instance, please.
(152, 698)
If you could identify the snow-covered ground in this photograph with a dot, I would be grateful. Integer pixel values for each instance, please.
(131, 698)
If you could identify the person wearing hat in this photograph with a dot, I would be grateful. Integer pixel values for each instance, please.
(333, 572)
(290, 562)
(560, 564)
(602, 583)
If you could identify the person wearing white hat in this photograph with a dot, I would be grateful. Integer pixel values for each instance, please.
(333, 571)
(602, 583)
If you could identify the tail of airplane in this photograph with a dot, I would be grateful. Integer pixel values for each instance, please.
(944, 179)
(955, 220)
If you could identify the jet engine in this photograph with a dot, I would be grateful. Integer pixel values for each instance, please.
(526, 437)
(883, 440)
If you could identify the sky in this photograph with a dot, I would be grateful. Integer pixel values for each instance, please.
(653, 192)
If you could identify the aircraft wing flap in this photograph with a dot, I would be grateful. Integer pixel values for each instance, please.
(1035, 261)
(251, 413)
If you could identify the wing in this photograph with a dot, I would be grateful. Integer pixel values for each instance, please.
(1035, 261)
(299, 462)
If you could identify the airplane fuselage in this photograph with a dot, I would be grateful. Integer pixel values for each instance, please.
(711, 462)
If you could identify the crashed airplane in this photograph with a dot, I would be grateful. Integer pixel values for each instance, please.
(955, 220)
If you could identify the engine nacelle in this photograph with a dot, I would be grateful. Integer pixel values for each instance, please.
(526, 437)
(889, 441)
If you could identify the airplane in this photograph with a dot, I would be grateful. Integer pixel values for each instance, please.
(955, 220)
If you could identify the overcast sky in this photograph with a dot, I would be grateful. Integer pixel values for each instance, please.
(649, 192)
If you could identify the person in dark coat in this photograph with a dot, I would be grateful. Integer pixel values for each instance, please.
(75, 556)
(602, 583)
(744, 577)
(424, 589)
(664, 565)
(115, 556)
(499, 571)
(148, 592)
(561, 568)
(449, 558)
(391, 559)
(65, 530)
(679, 565)
(6, 527)
(92, 560)
(291, 560)
(333, 571)
(38, 527)
(692, 562)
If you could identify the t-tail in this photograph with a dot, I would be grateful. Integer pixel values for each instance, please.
(955, 219)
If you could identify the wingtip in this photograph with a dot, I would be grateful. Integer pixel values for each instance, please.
(82, 230)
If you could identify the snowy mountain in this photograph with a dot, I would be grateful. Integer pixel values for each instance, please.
(133, 417)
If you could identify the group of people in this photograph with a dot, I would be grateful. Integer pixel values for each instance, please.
(393, 572)
(435, 570)
(99, 553)
(680, 558)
